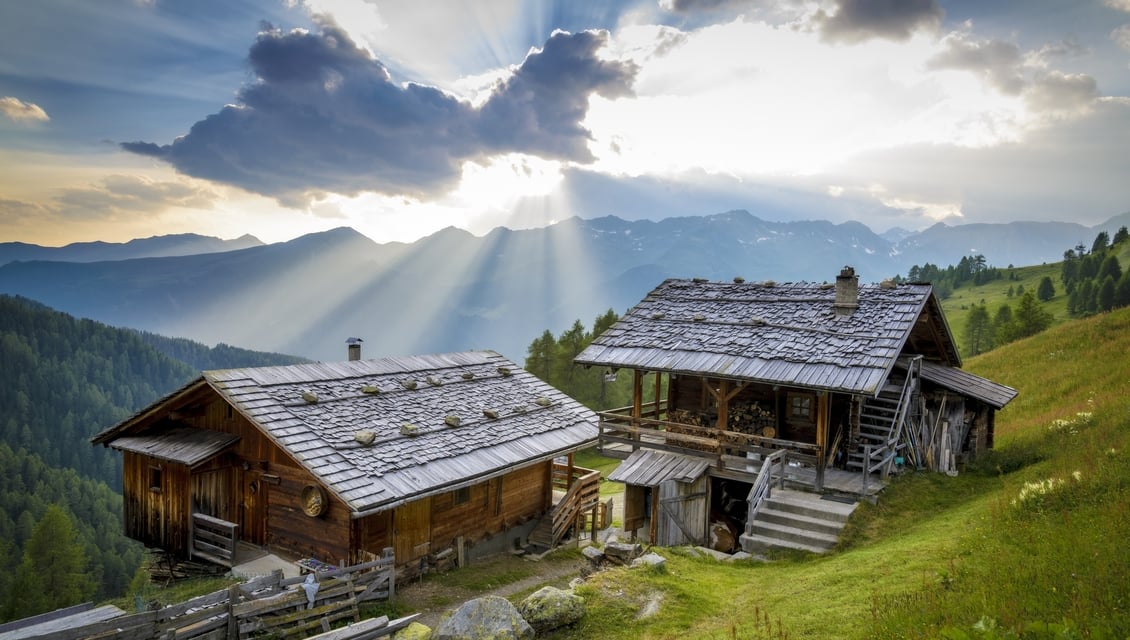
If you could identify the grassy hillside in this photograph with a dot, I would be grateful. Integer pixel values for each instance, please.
(1031, 539)
(995, 293)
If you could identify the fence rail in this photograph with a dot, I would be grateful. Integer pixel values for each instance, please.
(265, 606)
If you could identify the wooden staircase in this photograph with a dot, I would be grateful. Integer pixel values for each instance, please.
(796, 520)
(582, 494)
(877, 424)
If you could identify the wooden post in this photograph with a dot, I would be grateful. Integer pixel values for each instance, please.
(658, 390)
(569, 478)
(866, 466)
(653, 531)
(595, 513)
(460, 557)
(823, 411)
(390, 553)
(233, 623)
(637, 405)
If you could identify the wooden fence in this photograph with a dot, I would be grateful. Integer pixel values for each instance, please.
(271, 606)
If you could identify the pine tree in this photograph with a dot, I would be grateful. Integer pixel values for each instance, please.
(1030, 317)
(978, 331)
(53, 573)
(1046, 290)
(1106, 294)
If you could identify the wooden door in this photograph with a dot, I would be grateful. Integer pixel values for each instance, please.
(412, 531)
(683, 510)
(253, 508)
(635, 507)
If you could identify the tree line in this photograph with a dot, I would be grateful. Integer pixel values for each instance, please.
(550, 358)
(1094, 280)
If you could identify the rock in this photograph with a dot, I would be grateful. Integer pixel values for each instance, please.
(576, 582)
(594, 555)
(622, 552)
(365, 437)
(486, 618)
(741, 555)
(550, 608)
(414, 631)
(651, 560)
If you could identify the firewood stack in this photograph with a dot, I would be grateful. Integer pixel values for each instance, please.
(751, 418)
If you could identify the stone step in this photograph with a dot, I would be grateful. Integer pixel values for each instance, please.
(753, 543)
(798, 521)
(808, 504)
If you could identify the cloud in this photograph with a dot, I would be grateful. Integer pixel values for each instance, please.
(1121, 37)
(998, 62)
(131, 193)
(14, 212)
(859, 20)
(1062, 93)
(21, 111)
(1121, 5)
(323, 116)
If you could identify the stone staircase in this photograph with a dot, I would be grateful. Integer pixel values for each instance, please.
(796, 520)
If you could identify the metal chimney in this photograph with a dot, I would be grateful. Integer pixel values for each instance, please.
(354, 348)
(847, 292)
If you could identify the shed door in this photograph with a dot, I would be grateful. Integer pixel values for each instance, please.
(635, 506)
(412, 530)
(683, 511)
(253, 508)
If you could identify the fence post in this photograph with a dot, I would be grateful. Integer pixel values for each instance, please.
(866, 466)
(233, 624)
(390, 553)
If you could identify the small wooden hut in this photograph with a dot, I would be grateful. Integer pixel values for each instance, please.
(428, 455)
(828, 387)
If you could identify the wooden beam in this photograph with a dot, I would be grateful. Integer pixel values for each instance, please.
(823, 417)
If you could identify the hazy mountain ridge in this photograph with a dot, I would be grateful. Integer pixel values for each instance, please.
(153, 247)
(453, 290)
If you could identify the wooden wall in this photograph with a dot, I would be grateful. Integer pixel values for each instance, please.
(480, 512)
(157, 516)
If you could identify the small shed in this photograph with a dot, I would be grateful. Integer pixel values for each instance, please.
(338, 461)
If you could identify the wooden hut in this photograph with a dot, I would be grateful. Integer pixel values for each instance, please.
(428, 455)
(828, 387)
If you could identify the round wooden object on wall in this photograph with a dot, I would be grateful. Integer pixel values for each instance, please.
(769, 432)
(313, 500)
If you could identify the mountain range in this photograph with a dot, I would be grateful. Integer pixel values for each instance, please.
(453, 290)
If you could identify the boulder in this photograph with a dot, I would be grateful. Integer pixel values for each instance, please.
(622, 552)
(414, 631)
(549, 608)
(486, 618)
(651, 560)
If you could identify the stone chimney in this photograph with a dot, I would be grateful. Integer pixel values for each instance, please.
(847, 292)
(354, 348)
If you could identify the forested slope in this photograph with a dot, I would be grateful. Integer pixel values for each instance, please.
(63, 379)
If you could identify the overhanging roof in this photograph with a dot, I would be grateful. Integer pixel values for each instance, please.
(648, 468)
(184, 445)
(991, 393)
(788, 334)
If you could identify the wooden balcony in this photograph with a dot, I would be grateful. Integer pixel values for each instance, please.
(731, 454)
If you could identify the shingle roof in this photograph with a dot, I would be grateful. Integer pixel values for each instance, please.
(185, 445)
(991, 393)
(776, 333)
(649, 468)
(534, 421)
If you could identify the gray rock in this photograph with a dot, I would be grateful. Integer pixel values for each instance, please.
(651, 560)
(717, 555)
(549, 608)
(594, 555)
(742, 555)
(486, 618)
(622, 552)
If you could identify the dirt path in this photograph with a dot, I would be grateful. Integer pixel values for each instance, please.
(435, 595)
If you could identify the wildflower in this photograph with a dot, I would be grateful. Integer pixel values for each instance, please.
(1077, 475)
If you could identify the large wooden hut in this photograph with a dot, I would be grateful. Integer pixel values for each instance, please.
(827, 387)
(340, 461)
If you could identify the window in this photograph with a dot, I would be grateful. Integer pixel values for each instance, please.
(800, 407)
(461, 495)
(155, 473)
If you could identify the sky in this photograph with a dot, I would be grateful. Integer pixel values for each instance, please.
(122, 119)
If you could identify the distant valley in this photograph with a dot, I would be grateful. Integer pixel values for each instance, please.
(453, 291)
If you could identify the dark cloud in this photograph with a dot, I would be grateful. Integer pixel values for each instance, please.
(860, 20)
(324, 116)
(1000, 63)
(539, 109)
